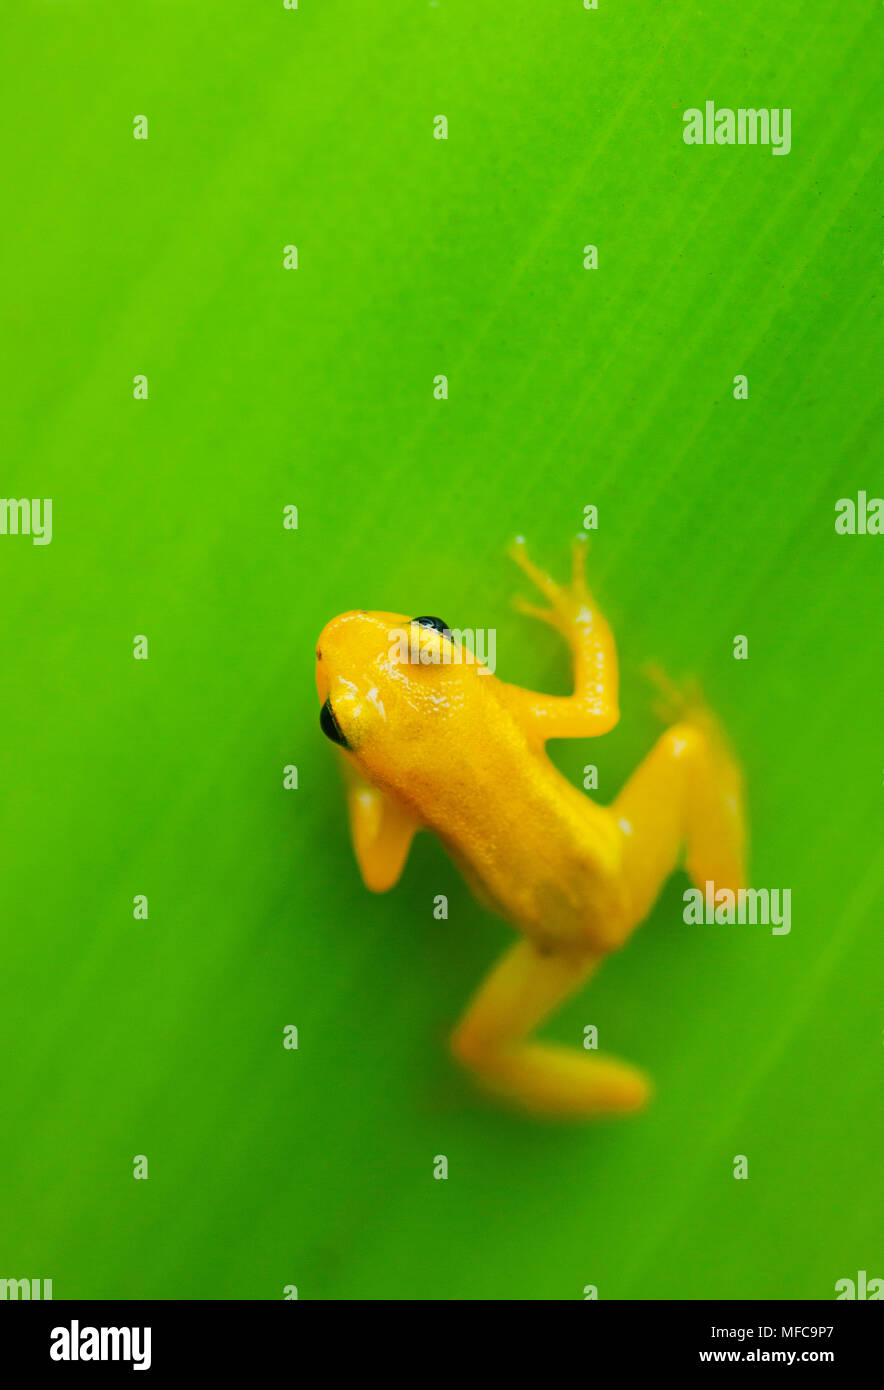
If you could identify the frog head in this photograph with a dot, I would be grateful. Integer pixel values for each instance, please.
(391, 690)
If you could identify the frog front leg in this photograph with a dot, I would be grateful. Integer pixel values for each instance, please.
(380, 829)
(574, 612)
(544, 1079)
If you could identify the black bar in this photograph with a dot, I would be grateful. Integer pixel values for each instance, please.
(227, 1338)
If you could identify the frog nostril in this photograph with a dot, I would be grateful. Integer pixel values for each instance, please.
(330, 726)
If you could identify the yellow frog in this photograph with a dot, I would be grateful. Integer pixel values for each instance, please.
(433, 740)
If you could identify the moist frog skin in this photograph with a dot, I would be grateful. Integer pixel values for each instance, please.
(438, 743)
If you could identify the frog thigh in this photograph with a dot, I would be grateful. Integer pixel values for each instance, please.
(687, 796)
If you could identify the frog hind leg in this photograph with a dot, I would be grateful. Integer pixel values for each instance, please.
(543, 1079)
(686, 797)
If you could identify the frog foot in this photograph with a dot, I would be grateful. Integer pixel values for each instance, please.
(685, 703)
(568, 604)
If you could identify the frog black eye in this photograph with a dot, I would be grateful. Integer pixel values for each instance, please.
(438, 623)
(330, 726)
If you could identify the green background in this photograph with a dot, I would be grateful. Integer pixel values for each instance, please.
(314, 387)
